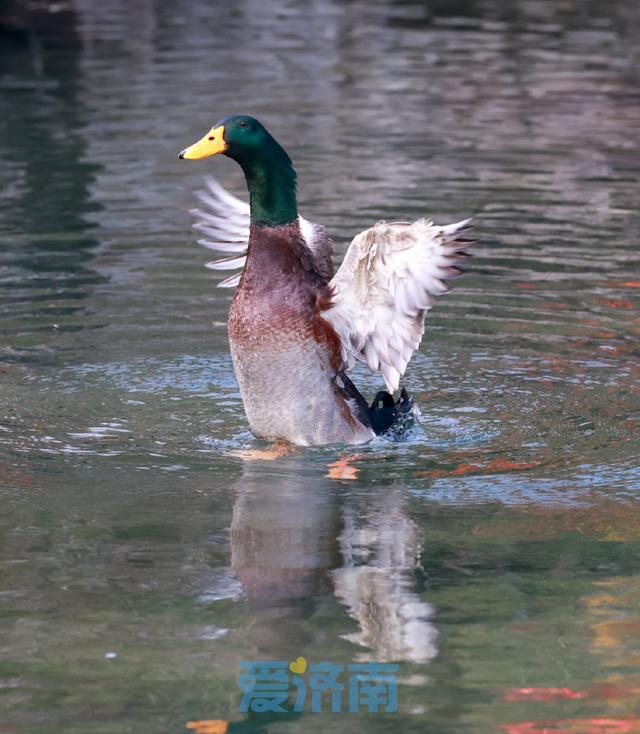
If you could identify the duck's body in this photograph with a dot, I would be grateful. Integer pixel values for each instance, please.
(294, 328)
(285, 354)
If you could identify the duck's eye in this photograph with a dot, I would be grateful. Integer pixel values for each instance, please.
(243, 123)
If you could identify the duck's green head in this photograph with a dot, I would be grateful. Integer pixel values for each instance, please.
(267, 167)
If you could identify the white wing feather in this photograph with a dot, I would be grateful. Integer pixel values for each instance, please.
(383, 290)
(225, 222)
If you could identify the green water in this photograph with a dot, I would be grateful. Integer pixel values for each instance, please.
(149, 542)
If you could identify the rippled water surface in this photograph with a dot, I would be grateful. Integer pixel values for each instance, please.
(149, 542)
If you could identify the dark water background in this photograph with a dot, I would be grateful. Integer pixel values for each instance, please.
(494, 553)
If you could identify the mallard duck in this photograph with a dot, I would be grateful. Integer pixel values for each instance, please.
(295, 328)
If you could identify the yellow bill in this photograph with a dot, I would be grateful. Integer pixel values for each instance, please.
(212, 143)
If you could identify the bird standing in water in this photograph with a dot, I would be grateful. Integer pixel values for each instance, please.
(295, 328)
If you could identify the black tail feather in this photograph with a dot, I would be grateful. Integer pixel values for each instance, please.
(380, 418)
(383, 417)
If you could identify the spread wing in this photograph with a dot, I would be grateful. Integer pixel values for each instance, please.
(383, 290)
(225, 220)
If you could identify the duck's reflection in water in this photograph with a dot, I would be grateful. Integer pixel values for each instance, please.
(377, 585)
(297, 539)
